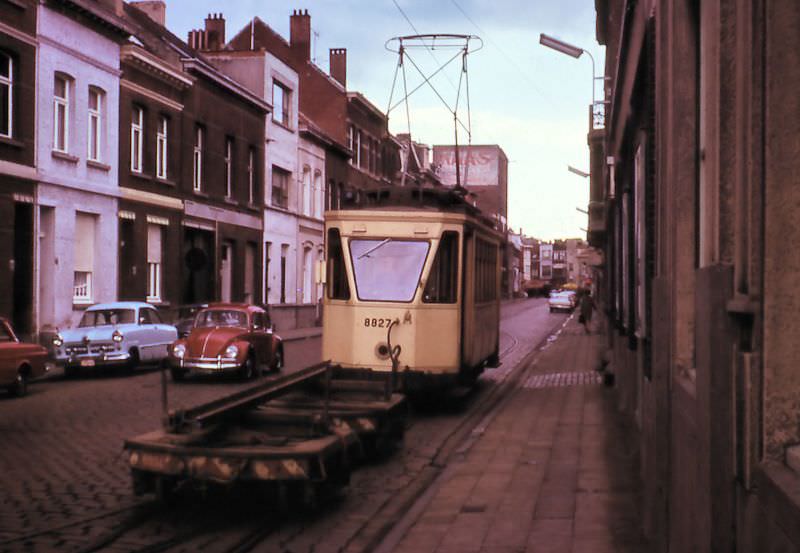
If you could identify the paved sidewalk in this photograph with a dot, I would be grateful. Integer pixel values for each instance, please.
(553, 471)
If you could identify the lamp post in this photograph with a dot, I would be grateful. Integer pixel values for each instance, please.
(578, 172)
(575, 52)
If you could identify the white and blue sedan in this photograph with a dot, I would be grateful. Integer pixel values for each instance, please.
(122, 334)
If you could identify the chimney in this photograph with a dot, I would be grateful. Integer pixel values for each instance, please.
(154, 9)
(338, 58)
(215, 31)
(300, 34)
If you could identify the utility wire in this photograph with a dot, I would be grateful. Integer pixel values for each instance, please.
(508, 58)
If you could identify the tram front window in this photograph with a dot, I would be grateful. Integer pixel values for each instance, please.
(387, 270)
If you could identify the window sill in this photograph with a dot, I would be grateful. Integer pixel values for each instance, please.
(230, 201)
(98, 165)
(166, 182)
(253, 207)
(284, 126)
(63, 156)
(200, 193)
(18, 4)
(13, 142)
(142, 176)
(80, 305)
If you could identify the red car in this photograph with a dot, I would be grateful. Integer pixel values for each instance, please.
(228, 338)
(19, 362)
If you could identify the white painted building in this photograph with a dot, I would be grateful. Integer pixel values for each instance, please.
(77, 150)
(310, 223)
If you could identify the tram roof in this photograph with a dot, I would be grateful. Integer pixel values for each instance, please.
(393, 198)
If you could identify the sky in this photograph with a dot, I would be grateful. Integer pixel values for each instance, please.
(530, 100)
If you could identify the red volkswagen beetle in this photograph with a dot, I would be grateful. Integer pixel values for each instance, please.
(19, 362)
(228, 338)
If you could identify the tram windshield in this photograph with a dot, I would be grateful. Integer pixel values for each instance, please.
(389, 269)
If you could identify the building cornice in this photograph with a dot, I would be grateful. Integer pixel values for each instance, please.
(79, 55)
(18, 170)
(151, 64)
(139, 89)
(19, 35)
(102, 16)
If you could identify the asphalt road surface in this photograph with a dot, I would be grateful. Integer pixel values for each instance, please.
(65, 482)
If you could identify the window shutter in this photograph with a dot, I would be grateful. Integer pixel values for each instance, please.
(84, 242)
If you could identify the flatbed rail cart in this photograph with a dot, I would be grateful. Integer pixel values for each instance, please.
(308, 428)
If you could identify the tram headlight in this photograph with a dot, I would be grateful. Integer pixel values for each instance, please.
(179, 350)
(231, 352)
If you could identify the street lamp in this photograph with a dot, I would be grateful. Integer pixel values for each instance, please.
(578, 172)
(582, 210)
(570, 50)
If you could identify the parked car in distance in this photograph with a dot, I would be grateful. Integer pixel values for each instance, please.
(183, 317)
(123, 333)
(20, 362)
(228, 338)
(561, 301)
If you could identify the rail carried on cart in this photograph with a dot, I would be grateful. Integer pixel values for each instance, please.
(307, 428)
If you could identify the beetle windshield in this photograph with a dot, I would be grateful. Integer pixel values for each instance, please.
(221, 317)
(387, 270)
(102, 317)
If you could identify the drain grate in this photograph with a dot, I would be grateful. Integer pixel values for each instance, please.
(556, 380)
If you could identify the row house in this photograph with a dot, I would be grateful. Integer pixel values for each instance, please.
(18, 175)
(695, 172)
(191, 167)
(77, 103)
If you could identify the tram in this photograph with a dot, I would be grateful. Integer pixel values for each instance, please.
(412, 283)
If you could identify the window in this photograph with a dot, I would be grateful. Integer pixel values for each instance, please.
(308, 274)
(95, 112)
(280, 103)
(251, 176)
(61, 114)
(154, 255)
(6, 95)
(338, 287)
(388, 269)
(351, 142)
(486, 271)
(358, 148)
(84, 258)
(284, 255)
(228, 167)
(280, 187)
(442, 285)
(306, 190)
(149, 317)
(319, 194)
(197, 161)
(161, 147)
(137, 128)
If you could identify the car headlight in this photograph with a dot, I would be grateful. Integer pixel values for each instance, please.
(117, 336)
(231, 351)
(179, 350)
(58, 340)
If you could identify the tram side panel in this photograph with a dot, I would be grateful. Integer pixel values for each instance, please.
(481, 314)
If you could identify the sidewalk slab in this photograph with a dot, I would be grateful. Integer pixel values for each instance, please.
(555, 470)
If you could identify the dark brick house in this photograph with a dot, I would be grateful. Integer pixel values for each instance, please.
(17, 160)
(191, 177)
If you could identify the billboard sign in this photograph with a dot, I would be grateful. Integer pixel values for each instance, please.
(479, 165)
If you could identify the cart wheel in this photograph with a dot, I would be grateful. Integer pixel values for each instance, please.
(165, 488)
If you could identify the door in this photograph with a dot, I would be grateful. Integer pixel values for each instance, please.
(226, 272)
(22, 291)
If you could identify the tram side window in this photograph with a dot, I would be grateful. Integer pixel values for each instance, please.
(485, 271)
(338, 287)
(442, 285)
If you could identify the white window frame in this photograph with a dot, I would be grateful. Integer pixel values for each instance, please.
(8, 82)
(197, 161)
(95, 121)
(307, 197)
(61, 103)
(137, 134)
(82, 293)
(161, 147)
(153, 282)
(251, 180)
(319, 193)
(228, 167)
(284, 114)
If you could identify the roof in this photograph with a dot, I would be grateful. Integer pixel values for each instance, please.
(120, 305)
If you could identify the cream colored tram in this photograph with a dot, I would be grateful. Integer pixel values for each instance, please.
(415, 277)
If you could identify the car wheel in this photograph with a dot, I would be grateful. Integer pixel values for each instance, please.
(177, 374)
(20, 386)
(248, 370)
(133, 362)
(277, 361)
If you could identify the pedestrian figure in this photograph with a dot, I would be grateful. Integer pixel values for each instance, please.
(586, 307)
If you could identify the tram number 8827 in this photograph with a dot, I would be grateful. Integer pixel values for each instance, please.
(377, 323)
